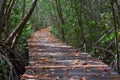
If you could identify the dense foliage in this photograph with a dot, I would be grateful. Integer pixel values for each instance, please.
(15, 29)
(89, 25)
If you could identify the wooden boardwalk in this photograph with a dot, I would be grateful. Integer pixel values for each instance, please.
(50, 59)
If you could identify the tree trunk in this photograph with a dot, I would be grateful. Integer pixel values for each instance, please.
(118, 6)
(2, 4)
(61, 18)
(79, 19)
(7, 17)
(16, 59)
(116, 37)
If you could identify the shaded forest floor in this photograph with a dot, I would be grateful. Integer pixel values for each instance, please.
(51, 59)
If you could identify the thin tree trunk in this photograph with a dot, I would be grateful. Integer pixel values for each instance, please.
(116, 37)
(2, 4)
(56, 17)
(118, 6)
(24, 4)
(7, 17)
(61, 18)
(79, 19)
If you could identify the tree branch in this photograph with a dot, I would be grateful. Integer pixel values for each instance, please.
(22, 24)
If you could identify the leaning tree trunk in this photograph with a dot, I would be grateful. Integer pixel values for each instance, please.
(22, 24)
(18, 62)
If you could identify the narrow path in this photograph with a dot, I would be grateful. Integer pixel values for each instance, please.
(50, 59)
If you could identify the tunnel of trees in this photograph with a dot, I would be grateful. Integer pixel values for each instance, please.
(89, 25)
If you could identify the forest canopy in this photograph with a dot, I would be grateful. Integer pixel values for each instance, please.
(92, 26)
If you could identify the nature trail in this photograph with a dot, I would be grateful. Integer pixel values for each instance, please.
(51, 59)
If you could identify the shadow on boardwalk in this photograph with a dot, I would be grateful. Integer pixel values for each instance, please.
(50, 59)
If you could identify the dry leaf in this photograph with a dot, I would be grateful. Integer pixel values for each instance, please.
(76, 61)
(96, 75)
(44, 68)
(115, 77)
(57, 78)
(47, 76)
(66, 73)
(100, 68)
(28, 76)
(29, 67)
(52, 72)
(40, 76)
(42, 59)
(83, 78)
(84, 63)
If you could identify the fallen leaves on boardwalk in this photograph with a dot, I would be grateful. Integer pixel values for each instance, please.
(51, 59)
